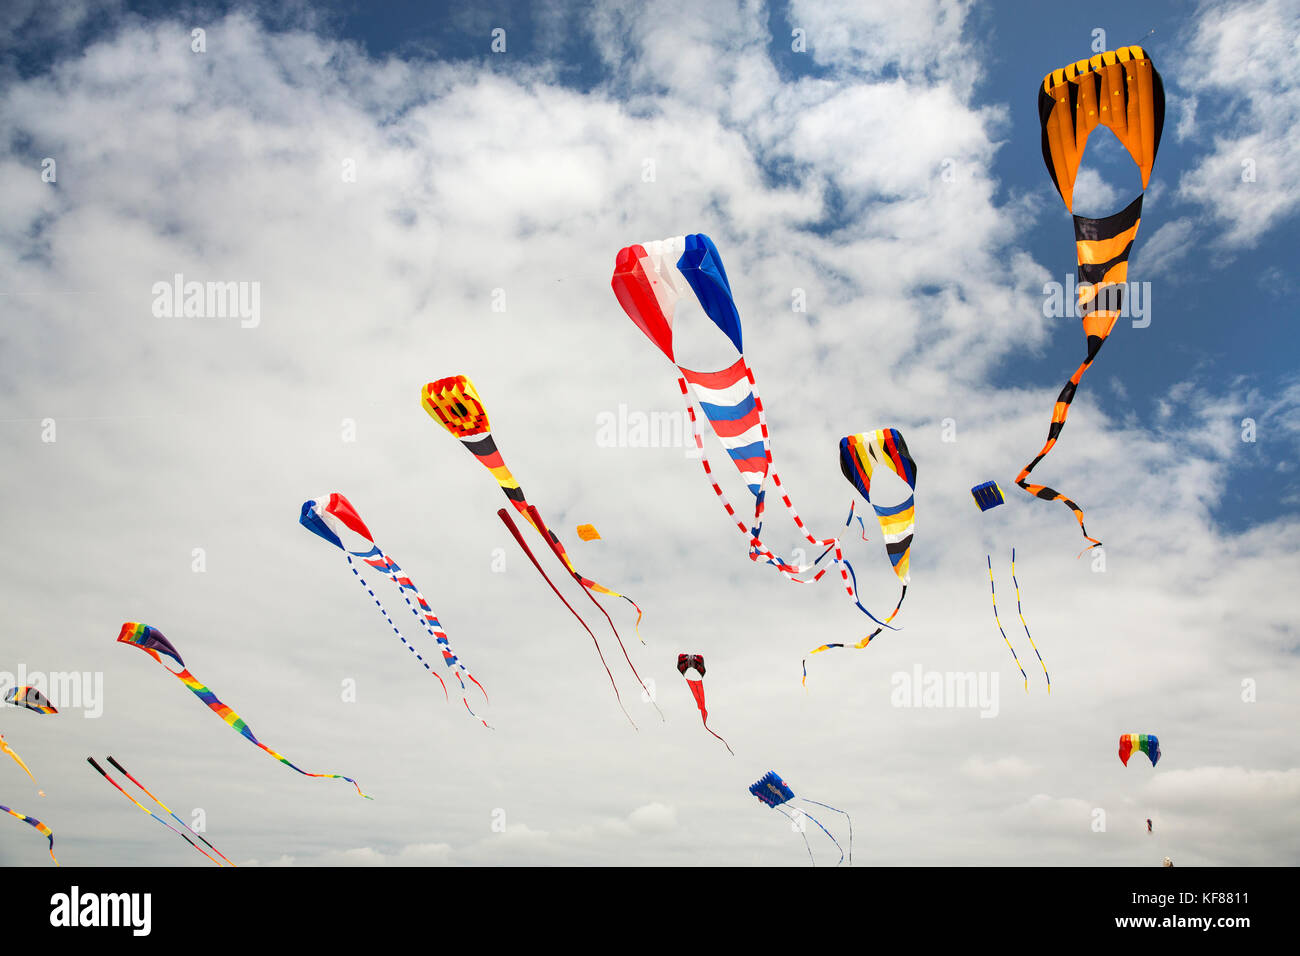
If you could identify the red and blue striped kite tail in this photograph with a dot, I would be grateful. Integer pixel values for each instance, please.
(757, 550)
(424, 614)
(396, 630)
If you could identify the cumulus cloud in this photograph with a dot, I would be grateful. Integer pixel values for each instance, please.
(383, 206)
(1248, 59)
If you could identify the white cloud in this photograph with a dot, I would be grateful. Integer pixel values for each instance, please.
(1248, 56)
(182, 433)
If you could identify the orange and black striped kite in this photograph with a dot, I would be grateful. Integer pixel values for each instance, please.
(1121, 90)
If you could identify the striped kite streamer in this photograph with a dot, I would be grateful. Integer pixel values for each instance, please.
(40, 828)
(152, 642)
(1104, 246)
(329, 517)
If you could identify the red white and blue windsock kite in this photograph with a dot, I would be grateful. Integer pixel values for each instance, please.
(649, 280)
(333, 518)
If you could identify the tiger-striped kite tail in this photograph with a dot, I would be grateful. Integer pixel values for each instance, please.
(152, 642)
(455, 404)
(38, 826)
(332, 517)
(1121, 90)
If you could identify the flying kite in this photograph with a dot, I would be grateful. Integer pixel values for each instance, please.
(152, 642)
(331, 517)
(860, 455)
(771, 790)
(1148, 744)
(649, 279)
(30, 698)
(1121, 90)
(40, 828)
(1148, 824)
(987, 495)
(103, 773)
(588, 532)
(695, 662)
(454, 403)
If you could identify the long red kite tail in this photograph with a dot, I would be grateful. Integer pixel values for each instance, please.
(551, 539)
(514, 530)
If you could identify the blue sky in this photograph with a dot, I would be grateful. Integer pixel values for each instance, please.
(384, 180)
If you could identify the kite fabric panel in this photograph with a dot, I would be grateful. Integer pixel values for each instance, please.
(152, 642)
(30, 698)
(987, 495)
(1120, 90)
(1148, 744)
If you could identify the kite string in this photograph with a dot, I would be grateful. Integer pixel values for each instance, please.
(994, 593)
(1026, 626)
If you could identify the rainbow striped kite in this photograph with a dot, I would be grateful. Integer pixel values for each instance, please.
(152, 642)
